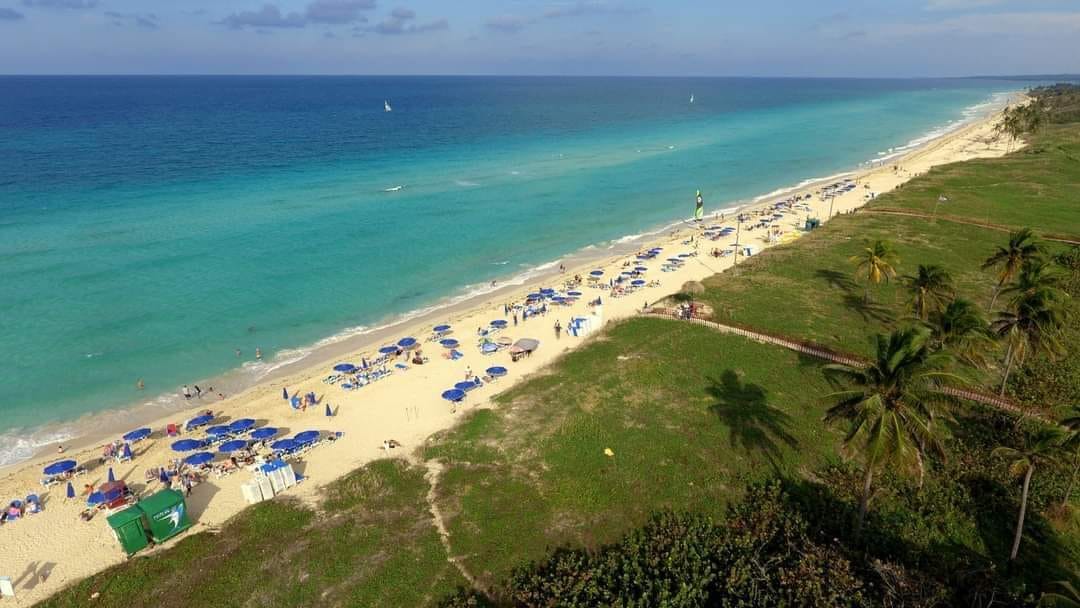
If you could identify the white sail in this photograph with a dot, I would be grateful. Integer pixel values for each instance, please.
(386, 106)
(691, 98)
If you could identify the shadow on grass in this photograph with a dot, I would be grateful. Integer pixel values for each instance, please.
(754, 425)
(854, 298)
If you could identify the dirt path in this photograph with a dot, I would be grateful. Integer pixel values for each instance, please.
(956, 220)
(434, 471)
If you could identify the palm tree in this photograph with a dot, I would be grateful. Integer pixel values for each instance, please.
(1035, 276)
(891, 405)
(1041, 450)
(931, 288)
(1031, 323)
(1072, 444)
(875, 263)
(1067, 596)
(961, 328)
(1010, 259)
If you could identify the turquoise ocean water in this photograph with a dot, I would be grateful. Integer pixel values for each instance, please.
(151, 226)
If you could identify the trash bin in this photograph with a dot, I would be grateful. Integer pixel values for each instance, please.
(128, 527)
(166, 514)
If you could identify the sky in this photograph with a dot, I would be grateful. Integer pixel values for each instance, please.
(895, 38)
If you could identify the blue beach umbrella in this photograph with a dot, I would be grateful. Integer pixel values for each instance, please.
(574, 294)
(198, 459)
(70, 490)
(241, 425)
(137, 434)
(345, 368)
(388, 350)
(637, 282)
(265, 432)
(199, 421)
(232, 446)
(643, 256)
(95, 499)
(407, 343)
(547, 291)
(499, 323)
(112, 476)
(284, 393)
(306, 437)
(454, 394)
(596, 273)
(496, 371)
(534, 296)
(329, 412)
(186, 445)
(127, 451)
(60, 467)
(163, 476)
(218, 431)
(684, 255)
(449, 343)
(465, 386)
(284, 445)
(641, 269)
(441, 329)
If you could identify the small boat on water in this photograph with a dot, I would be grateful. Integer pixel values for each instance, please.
(386, 106)
(691, 98)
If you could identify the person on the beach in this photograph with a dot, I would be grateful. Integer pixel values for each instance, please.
(558, 329)
(238, 353)
(198, 391)
(468, 373)
(139, 384)
(187, 392)
(258, 353)
(60, 449)
(515, 319)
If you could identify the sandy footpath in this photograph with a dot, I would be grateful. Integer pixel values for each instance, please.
(46, 551)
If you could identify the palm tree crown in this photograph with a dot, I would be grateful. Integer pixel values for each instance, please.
(931, 288)
(1010, 259)
(961, 328)
(1041, 450)
(1031, 323)
(875, 264)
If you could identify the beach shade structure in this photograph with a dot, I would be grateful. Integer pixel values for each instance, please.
(186, 445)
(496, 372)
(637, 282)
(574, 294)
(306, 437)
(198, 421)
(265, 432)
(95, 498)
(596, 273)
(449, 343)
(329, 412)
(218, 431)
(232, 446)
(441, 329)
(126, 453)
(284, 445)
(111, 476)
(60, 467)
(466, 385)
(198, 459)
(454, 395)
(684, 255)
(547, 291)
(407, 343)
(137, 434)
(284, 393)
(626, 273)
(499, 323)
(388, 350)
(345, 368)
(70, 490)
(641, 269)
(241, 425)
(534, 296)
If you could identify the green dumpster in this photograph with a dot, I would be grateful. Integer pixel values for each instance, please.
(128, 527)
(166, 514)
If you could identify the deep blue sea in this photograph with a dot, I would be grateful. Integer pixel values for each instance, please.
(151, 226)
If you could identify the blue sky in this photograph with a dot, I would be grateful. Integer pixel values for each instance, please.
(674, 37)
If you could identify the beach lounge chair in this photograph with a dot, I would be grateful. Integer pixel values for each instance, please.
(33, 504)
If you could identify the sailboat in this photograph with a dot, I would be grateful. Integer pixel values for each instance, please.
(386, 106)
(691, 98)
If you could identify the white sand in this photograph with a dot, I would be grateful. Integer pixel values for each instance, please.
(47, 551)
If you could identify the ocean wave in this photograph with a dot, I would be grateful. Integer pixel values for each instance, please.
(799, 186)
(464, 183)
(18, 445)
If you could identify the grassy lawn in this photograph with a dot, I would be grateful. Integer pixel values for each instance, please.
(689, 414)
(1036, 187)
(376, 545)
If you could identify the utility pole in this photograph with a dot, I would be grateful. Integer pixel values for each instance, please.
(738, 230)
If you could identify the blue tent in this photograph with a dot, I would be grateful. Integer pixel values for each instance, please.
(441, 329)
(453, 394)
(199, 421)
(306, 437)
(198, 459)
(232, 446)
(60, 467)
(407, 343)
(388, 350)
(218, 431)
(186, 445)
(137, 434)
(70, 490)
(241, 425)
(449, 343)
(496, 371)
(345, 368)
(467, 385)
(287, 445)
(112, 476)
(265, 432)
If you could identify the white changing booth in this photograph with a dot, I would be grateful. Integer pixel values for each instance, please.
(270, 479)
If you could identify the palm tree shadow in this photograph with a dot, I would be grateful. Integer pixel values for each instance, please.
(837, 280)
(853, 297)
(755, 427)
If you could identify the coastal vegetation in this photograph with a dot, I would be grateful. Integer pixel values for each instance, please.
(664, 463)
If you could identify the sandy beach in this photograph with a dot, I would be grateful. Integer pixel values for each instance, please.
(46, 551)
